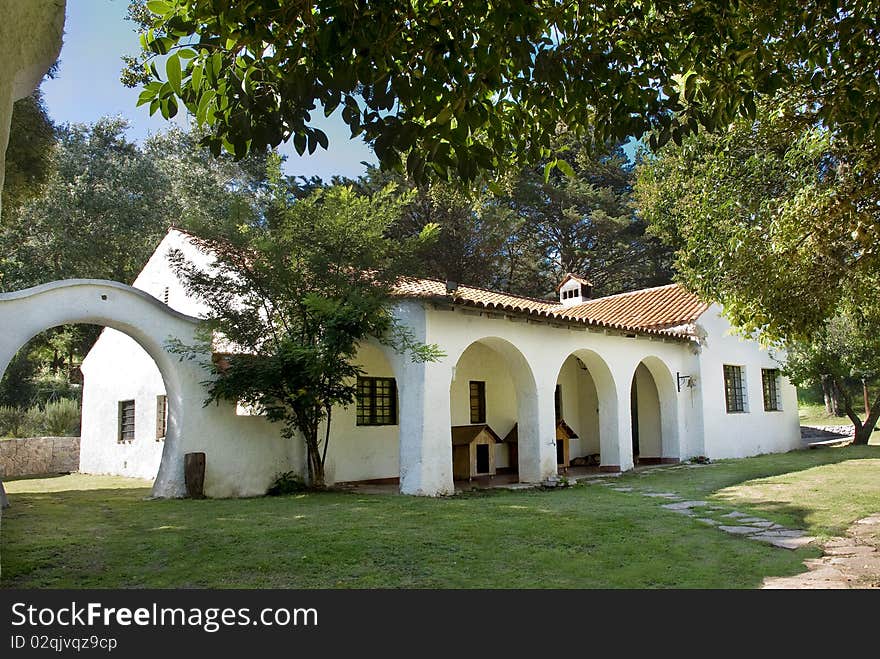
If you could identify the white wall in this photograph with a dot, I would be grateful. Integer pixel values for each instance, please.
(648, 400)
(119, 370)
(364, 452)
(580, 407)
(734, 435)
(481, 363)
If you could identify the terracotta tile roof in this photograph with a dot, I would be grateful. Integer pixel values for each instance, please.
(650, 308)
(648, 311)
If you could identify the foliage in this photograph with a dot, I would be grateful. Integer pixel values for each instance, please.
(28, 158)
(847, 348)
(290, 299)
(443, 87)
(585, 222)
(11, 420)
(776, 220)
(287, 483)
(60, 418)
(523, 233)
(100, 213)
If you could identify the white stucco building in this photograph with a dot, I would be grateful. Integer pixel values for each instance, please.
(644, 377)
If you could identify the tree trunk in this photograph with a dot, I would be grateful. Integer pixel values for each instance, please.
(863, 431)
(827, 394)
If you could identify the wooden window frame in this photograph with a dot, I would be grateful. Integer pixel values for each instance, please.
(369, 410)
(124, 435)
(161, 417)
(477, 398)
(735, 398)
(770, 389)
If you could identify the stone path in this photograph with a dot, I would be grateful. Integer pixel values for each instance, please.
(733, 522)
(852, 561)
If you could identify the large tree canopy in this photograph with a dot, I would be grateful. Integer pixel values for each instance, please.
(446, 86)
(777, 220)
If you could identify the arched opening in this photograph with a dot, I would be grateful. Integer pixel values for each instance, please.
(586, 413)
(365, 437)
(654, 414)
(493, 408)
(147, 323)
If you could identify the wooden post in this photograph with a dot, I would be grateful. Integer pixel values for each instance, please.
(194, 475)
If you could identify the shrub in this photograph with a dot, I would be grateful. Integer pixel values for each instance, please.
(286, 483)
(32, 423)
(11, 420)
(61, 418)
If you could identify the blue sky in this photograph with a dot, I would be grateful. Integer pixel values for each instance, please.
(87, 87)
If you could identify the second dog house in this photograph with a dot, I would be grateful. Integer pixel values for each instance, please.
(473, 451)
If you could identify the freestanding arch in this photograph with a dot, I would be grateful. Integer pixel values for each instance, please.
(26, 313)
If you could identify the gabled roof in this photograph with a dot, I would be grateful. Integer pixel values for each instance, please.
(571, 276)
(463, 435)
(647, 311)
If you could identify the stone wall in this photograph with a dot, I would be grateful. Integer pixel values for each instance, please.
(38, 455)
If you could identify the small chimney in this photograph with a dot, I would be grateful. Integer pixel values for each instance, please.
(451, 287)
(574, 290)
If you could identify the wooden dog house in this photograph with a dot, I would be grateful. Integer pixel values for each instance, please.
(564, 435)
(473, 451)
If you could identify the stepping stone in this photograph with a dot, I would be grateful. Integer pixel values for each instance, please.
(706, 520)
(661, 495)
(735, 514)
(683, 505)
(784, 543)
(751, 520)
(782, 533)
(622, 489)
(741, 530)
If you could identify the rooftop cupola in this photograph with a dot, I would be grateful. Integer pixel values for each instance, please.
(574, 290)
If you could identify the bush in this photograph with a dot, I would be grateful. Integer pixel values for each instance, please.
(11, 420)
(286, 483)
(61, 418)
(58, 419)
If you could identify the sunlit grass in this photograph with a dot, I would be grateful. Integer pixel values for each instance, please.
(98, 531)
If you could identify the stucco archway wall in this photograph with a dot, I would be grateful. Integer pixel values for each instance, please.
(606, 396)
(26, 313)
(30, 40)
(530, 465)
(667, 448)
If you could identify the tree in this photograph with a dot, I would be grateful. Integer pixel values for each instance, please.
(443, 87)
(29, 152)
(777, 221)
(583, 221)
(292, 297)
(102, 208)
(846, 349)
(524, 232)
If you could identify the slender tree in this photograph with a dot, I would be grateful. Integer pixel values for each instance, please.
(291, 298)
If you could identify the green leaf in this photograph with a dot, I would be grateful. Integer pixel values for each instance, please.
(565, 168)
(547, 169)
(172, 70)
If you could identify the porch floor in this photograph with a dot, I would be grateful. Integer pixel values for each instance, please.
(508, 481)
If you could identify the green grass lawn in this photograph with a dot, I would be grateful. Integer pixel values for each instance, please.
(813, 414)
(86, 531)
